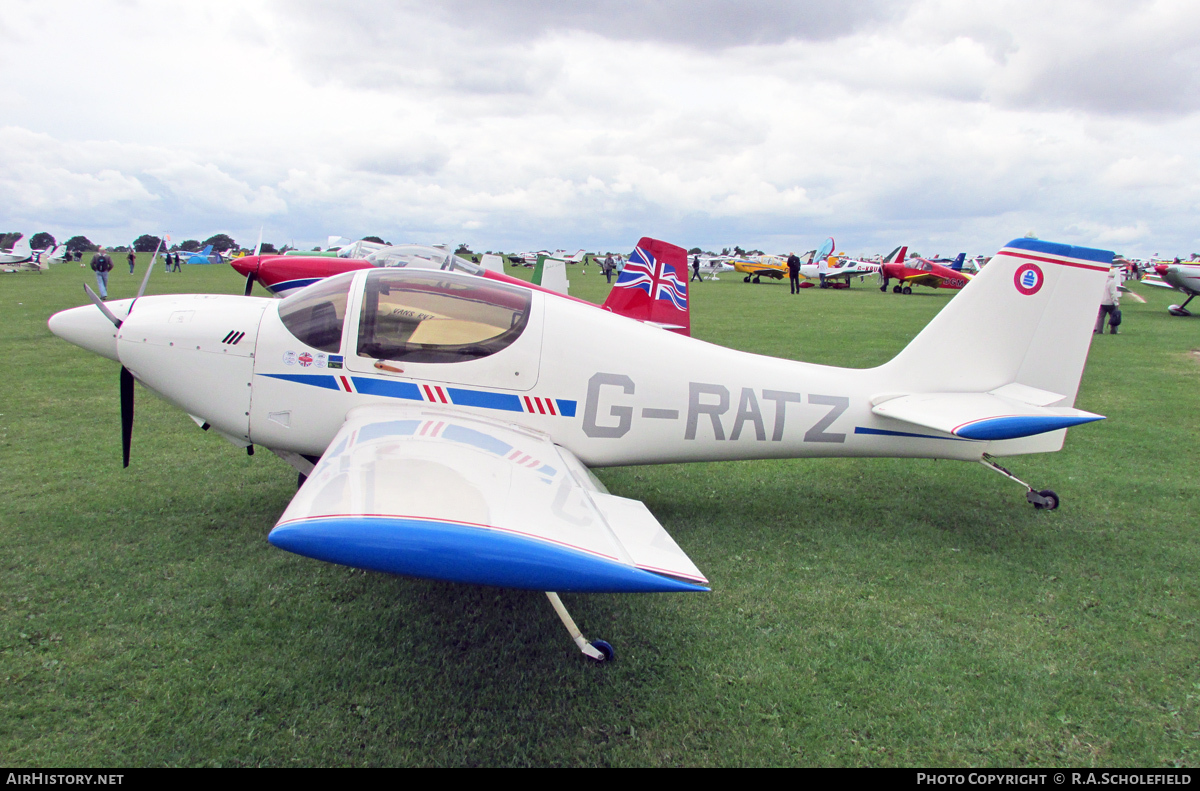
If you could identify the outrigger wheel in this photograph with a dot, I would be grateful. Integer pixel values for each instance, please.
(596, 649)
(1045, 500)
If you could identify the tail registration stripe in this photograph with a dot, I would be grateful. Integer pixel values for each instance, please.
(1044, 260)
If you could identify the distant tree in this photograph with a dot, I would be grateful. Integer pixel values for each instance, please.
(267, 248)
(285, 248)
(80, 244)
(315, 250)
(220, 242)
(146, 243)
(738, 251)
(463, 250)
(190, 246)
(374, 239)
(7, 240)
(42, 241)
(695, 251)
(120, 249)
(724, 251)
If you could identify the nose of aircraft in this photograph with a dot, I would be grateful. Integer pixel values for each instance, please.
(1161, 269)
(90, 329)
(246, 265)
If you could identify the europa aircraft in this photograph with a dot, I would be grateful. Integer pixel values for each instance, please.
(1181, 277)
(443, 424)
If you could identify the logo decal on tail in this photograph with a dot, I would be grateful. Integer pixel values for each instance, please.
(1029, 279)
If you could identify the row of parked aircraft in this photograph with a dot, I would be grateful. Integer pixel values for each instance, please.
(443, 417)
(21, 258)
(836, 271)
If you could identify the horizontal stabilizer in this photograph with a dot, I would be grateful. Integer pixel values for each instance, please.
(1008, 412)
(431, 493)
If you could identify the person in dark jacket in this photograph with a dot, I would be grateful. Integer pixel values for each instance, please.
(102, 265)
(793, 263)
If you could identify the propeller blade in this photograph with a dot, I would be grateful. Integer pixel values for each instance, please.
(126, 413)
(249, 283)
(146, 279)
(103, 308)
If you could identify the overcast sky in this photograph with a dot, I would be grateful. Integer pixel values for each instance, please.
(529, 124)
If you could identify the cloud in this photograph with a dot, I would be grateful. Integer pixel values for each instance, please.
(537, 124)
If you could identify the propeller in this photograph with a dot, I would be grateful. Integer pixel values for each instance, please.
(126, 375)
(250, 276)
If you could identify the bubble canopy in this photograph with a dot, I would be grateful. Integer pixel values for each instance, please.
(418, 315)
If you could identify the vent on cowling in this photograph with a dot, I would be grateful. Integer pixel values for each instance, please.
(233, 337)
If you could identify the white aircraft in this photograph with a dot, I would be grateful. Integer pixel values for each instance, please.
(444, 425)
(51, 255)
(39, 260)
(19, 254)
(1181, 277)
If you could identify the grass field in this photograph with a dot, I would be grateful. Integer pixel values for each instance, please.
(863, 612)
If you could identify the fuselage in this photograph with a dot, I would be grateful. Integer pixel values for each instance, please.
(1185, 277)
(611, 390)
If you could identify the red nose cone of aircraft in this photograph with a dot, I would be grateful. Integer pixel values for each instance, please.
(1161, 269)
(246, 265)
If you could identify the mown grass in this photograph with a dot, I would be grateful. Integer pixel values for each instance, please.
(864, 612)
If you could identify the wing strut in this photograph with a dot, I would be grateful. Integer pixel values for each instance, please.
(597, 649)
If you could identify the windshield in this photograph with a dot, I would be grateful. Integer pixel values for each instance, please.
(315, 314)
(418, 256)
(422, 316)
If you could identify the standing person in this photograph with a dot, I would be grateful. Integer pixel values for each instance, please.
(166, 262)
(132, 260)
(1109, 306)
(822, 270)
(793, 263)
(696, 269)
(176, 269)
(102, 265)
(620, 265)
(607, 266)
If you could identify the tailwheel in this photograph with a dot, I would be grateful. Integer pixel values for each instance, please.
(1045, 500)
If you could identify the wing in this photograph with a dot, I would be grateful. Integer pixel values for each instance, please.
(1007, 412)
(923, 279)
(432, 493)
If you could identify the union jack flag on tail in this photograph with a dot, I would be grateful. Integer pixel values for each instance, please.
(654, 286)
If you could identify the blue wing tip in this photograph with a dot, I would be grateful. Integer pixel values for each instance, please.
(1017, 427)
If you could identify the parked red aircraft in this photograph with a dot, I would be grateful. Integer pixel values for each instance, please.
(918, 272)
(653, 288)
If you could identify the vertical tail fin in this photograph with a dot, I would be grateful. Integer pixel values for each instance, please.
(896, 256)
(654, 287)
(957, 264)
(1027, 318)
